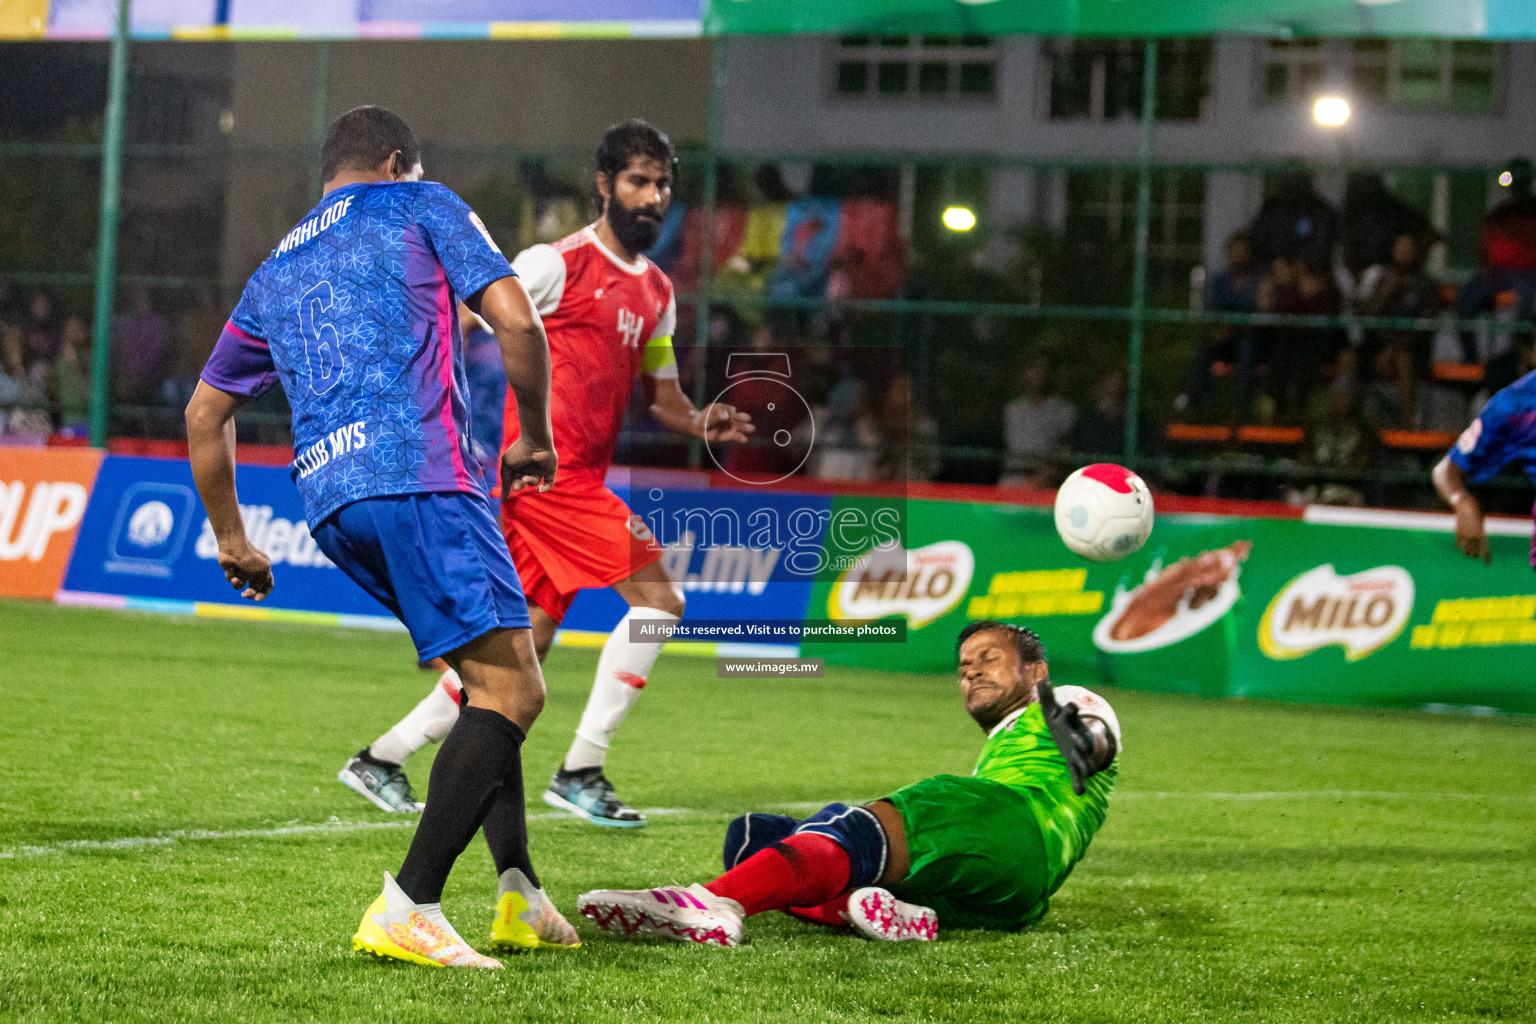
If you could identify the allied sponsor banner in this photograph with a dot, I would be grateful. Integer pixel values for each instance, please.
(43, 496)
(1344, 606)
(146, 536)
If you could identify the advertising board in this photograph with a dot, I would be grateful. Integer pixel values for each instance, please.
(43, 496)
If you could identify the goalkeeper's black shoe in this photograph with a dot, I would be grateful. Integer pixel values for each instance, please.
(589, 795)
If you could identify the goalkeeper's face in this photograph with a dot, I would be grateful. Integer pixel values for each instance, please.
(994, 680)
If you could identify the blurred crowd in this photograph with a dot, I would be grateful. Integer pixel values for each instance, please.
(46, 353)
(792, 236)
(1301, 256)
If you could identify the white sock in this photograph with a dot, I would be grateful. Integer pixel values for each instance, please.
(621, 673)
(428, 722)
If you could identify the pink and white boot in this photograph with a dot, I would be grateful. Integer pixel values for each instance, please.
(692, 914)
(875, 914)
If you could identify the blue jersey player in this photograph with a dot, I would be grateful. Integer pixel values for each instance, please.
(1503, 435)
(355, 314)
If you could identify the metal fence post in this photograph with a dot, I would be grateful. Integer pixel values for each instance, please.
(106, 234)
(319, 122)
(707, 263)
(1139, 274)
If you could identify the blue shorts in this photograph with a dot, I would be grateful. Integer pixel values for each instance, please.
(438, 561)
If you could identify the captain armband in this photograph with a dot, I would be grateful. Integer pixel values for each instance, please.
(658, 358)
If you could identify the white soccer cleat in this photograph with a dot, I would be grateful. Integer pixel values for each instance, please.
(394, 928)
(875, 914)
(692, 915)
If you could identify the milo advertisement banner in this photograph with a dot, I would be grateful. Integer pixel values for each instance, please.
(1343, 606)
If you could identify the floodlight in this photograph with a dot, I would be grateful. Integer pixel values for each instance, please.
(1331, 111)
(959, 218)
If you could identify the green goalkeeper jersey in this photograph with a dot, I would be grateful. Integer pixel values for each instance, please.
(1020, 754)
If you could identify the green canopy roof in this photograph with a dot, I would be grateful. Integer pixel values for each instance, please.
(1452, 19)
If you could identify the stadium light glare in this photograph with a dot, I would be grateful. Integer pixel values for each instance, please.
(1331, 111)
(1506, 179)
(959, 218)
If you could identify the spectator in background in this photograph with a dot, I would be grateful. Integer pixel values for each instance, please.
(196, 332)
(141, 351)
(1374, 220)
(1101, 431)
(848, 437)
(1233, 290)
(1401, 288)
(71, 398)
(21, 393)
(41, 329)
(1295, 223)
(1338, 438)
(1506, 255)
(909, 437)
(1036, 426)
(1296, 354)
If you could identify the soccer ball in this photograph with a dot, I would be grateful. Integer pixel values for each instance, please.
(1104, 512)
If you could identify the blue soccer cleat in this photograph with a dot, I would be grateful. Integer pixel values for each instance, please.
(589, 795)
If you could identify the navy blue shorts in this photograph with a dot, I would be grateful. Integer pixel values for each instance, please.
(438, 561)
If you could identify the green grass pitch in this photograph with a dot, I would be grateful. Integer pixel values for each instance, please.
(1260, 862)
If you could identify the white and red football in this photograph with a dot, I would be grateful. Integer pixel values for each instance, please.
(1104, 512)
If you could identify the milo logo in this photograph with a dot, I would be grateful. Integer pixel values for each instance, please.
(1361, 613)
(928, 583)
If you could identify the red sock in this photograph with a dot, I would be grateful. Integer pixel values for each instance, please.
(830, 913)
(804, 870)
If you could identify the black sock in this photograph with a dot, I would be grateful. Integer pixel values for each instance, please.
(506, 827)
(480, 758)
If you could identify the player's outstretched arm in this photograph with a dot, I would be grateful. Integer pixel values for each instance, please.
(1086, 743)
(1471, 534)
(715, 422)
(506, 308)
(211, 449)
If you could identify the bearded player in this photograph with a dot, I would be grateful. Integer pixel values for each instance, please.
(983, 851)
(609, 313)
(1504, 434)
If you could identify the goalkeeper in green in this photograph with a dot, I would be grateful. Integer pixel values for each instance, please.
(983, 851)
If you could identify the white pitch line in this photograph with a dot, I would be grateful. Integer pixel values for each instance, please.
(340, 827)
(194, 834)
(197, 834)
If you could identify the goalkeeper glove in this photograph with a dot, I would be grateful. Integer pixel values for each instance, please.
(1071, 735)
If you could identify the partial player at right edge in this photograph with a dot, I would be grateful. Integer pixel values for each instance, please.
(1503, 435)
(983, 851)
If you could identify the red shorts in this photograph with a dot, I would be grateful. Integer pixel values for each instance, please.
(576, 535)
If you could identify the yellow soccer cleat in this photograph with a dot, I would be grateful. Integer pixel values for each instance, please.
(394, 928)
(526, 919)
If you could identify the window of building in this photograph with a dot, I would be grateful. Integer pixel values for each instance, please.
(915, 67)
(1101, 205)
(1100, 79)
(1434, 74)
(1293, 69)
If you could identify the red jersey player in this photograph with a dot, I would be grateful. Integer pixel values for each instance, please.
(609, 313)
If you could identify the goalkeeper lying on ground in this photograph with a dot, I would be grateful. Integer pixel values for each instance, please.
(985, 851)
